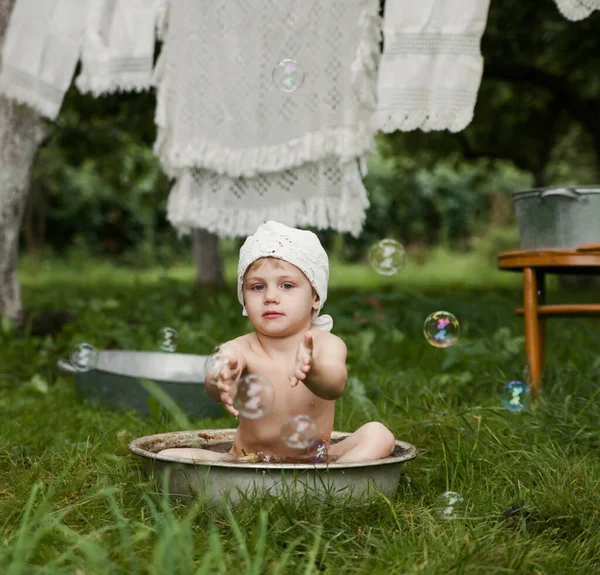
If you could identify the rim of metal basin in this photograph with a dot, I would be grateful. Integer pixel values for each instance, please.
(217, 436)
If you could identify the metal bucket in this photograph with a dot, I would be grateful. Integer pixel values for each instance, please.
(214, 479)
(114, 382)
(558, 218)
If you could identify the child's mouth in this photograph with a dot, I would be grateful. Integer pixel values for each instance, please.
(272, 314)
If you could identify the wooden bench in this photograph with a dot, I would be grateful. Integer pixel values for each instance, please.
(535, 264)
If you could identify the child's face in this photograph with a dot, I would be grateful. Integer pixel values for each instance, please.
(273, 285)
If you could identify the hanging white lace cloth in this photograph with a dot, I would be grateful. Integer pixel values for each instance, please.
(577, 9)
(431, 67)
(218, 107)
(321, 194)
(41, 50)
(118, 49)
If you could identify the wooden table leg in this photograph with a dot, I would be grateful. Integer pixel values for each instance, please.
(541, 300)
(532, 343)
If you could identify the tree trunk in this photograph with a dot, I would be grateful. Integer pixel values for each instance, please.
(209, 263)
(21, 132)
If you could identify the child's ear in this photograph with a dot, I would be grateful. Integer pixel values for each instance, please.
(315, 305)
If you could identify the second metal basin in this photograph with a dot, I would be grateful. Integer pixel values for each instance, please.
(114, 382)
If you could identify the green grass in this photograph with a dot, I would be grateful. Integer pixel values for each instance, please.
(73, 500)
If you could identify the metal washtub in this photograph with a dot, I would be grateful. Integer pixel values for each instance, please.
(558, 218)
(114, 382)
(216, 479)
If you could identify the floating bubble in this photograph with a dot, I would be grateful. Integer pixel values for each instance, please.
(450, 505)
(515, 396)
(84, 357)
(288, 75)
(319, 451)
(212, 368)
(299, 432)
(387, 257)
(254, 396)
(167, 339)
(216, 361)
(441, 329)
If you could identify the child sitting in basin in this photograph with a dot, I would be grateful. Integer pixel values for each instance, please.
(282, 286)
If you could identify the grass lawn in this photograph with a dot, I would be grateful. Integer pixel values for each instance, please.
(74, 501)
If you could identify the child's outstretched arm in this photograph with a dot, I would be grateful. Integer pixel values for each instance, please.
(324, 368)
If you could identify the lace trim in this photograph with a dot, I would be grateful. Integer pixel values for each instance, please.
(345, 143)
(190, 206)
(116, 75)
(433, 44)
(420, 109)
(31, 91)
(577, 9)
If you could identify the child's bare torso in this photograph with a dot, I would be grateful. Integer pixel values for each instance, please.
(263, 435)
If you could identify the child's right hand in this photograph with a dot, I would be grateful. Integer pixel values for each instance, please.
(227, 384)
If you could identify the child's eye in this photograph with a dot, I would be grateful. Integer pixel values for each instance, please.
(288, 285)
(257, 287)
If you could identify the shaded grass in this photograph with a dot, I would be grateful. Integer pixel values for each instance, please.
(72, 497)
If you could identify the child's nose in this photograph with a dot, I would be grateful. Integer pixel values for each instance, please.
(271, 294)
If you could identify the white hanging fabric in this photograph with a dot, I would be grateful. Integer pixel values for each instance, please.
(118, 49)
(577, 9)
(41, 49)
(431, 67)
(323, 194)
(243, 151)
(218, 107)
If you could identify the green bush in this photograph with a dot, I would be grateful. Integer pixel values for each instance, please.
(449, 203)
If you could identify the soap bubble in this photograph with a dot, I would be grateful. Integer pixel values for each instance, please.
(449, 505)
(84, 357)
(212, 368)
(319, 451)
(216, 361)
(288, 75)
(299, 432)
(254, 396)
(515, 396)
(387, 257)
(167, 339)
(441, 329)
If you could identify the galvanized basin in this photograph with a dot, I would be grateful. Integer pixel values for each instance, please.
(214, 479)
(114, 382)
(558, 218)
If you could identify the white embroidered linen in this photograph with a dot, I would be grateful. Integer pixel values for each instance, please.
(118, 49)
(244, 152)
(218, 107)
(431, 67)
(577, 9)
(41, 50)
(322, 194)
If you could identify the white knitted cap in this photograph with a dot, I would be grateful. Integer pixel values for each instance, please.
(297, 247)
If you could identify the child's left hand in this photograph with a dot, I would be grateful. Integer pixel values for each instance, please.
(304, 358)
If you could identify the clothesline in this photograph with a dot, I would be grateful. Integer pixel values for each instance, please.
(241, 148)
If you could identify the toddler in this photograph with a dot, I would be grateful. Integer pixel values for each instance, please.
(282, 286)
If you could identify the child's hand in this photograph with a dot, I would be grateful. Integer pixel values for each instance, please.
(222, 369)
(304, 358)
(227, 384)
